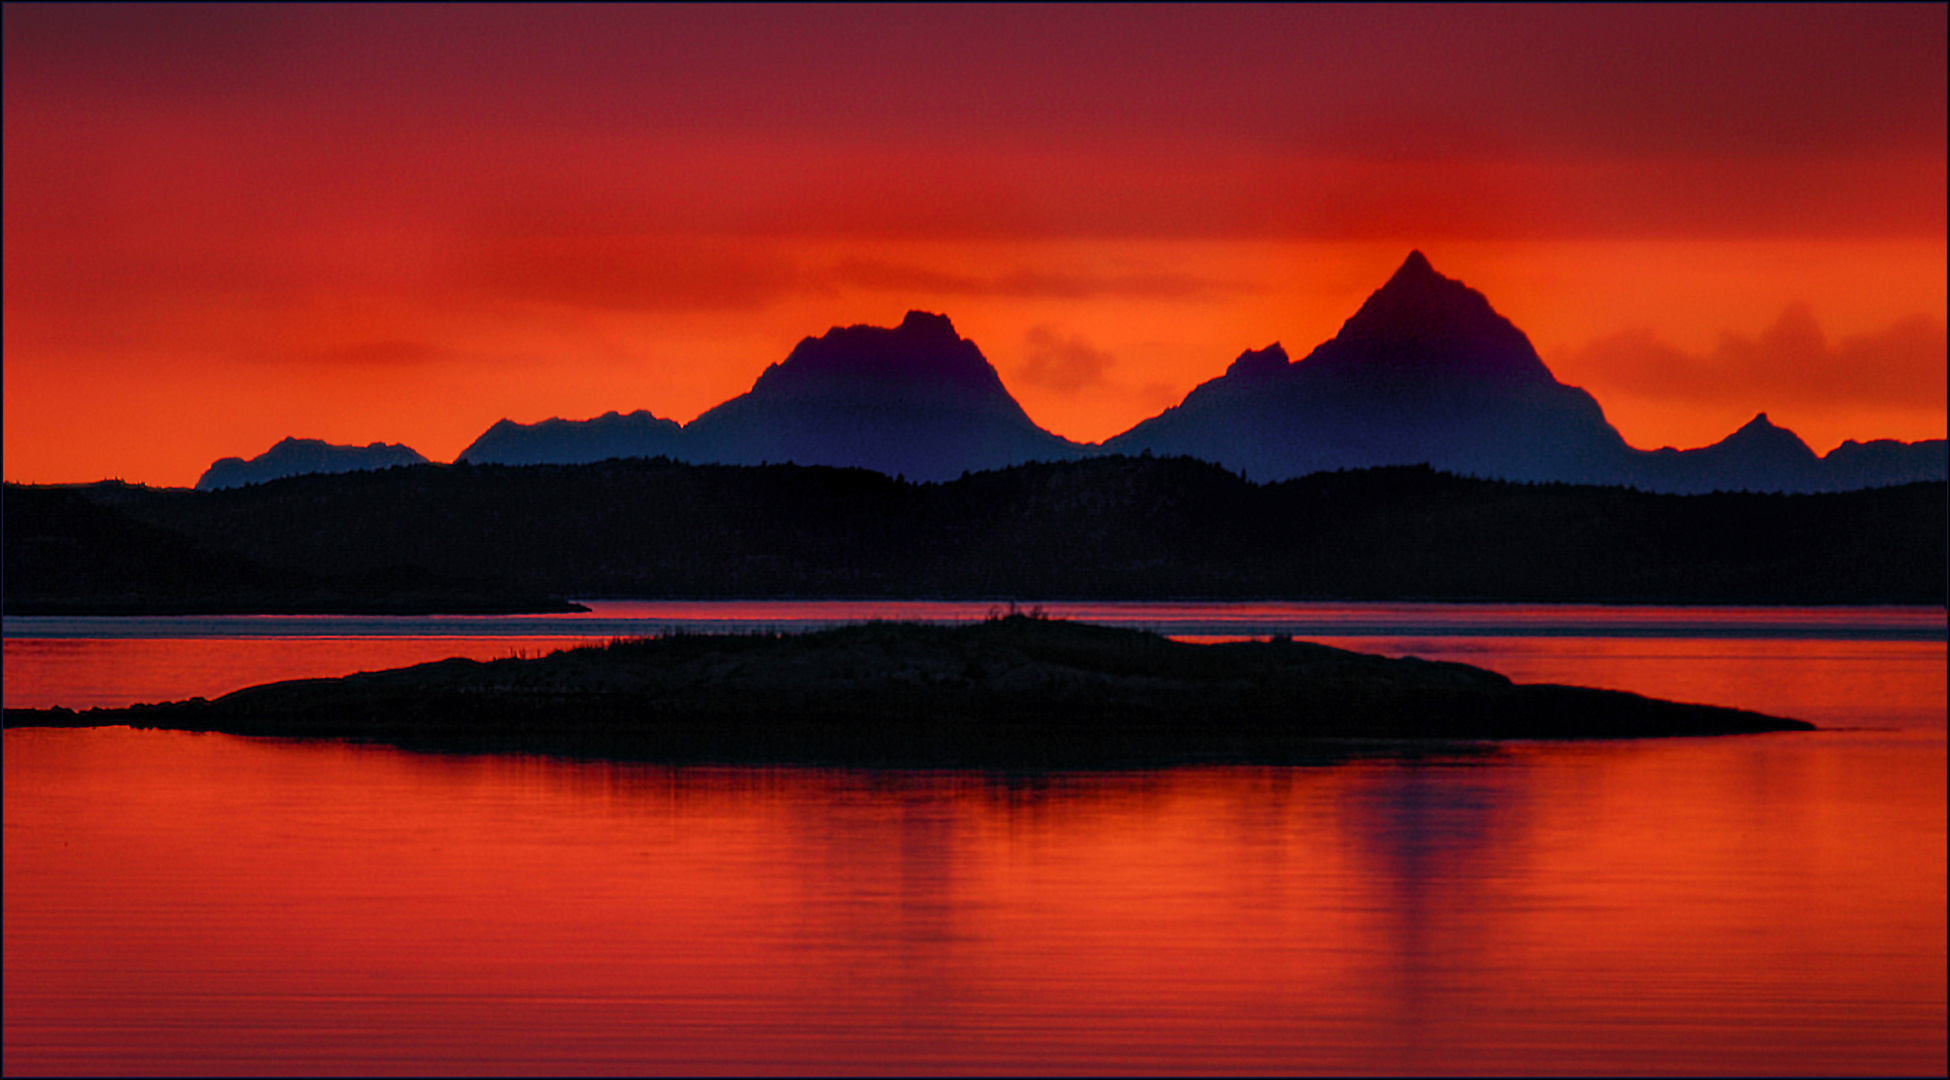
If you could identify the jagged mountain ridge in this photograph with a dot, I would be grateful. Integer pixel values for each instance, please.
(1425, 372)
(917, 400)
(297, 457)
(573, 442)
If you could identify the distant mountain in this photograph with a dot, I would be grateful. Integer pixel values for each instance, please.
(1761, 456)
(294, 457)
(1881, 462)
(1426, 372)
(918, 401)
(572, 442)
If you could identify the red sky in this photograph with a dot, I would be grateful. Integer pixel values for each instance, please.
(227, 225)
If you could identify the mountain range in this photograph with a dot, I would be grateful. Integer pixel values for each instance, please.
(298, 457)
(916, 401)
(1425, 372)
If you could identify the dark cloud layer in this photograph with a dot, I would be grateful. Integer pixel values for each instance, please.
(1767, 81)
(1291, 121)
(1026, 284)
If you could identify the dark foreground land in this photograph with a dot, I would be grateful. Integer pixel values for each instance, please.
(65, 555)
(1012, 692)
(458, 538)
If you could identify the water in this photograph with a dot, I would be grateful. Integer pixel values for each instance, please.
(1766, 904)
(81, 662)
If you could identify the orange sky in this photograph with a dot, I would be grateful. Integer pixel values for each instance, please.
(229, 225)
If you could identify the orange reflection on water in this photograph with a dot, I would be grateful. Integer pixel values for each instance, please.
(1849, 683)
(1792, 663)
(207, 903)
(80, 673)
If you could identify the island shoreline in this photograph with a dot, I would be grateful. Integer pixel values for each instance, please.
(1009, 692)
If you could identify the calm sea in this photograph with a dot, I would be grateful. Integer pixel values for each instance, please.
(182, 903)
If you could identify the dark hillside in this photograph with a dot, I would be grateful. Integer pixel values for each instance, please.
(1104, 528)
(66, 555)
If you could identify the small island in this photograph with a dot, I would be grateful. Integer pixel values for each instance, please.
(1011, 692)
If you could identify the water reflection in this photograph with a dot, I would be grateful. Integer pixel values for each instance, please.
(112, 672)
(212, 903)
(1763, 904)
(1819, 671)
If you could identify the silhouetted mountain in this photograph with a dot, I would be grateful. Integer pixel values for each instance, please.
(1104, 528)
(1761, 456)
(295, 457)
(917, 400)
(570, 442)
(1427, 372)
(1855, 465)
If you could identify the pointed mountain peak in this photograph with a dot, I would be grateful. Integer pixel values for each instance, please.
(1417, 297)
(1421, 321)
(1762, 434)
(1255, 363)
(1415, 266)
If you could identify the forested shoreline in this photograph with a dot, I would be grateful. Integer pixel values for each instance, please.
(451, 538)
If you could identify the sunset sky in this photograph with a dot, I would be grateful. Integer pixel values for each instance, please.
(228, 225)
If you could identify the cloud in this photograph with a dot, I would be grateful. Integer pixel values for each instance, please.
(1791, 362)
(1059, 363)
(385, 354)
(629, 273)
(1027, 284)
(1090, 121)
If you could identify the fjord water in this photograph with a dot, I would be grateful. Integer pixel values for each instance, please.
(1761, 904)
(83, 662)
